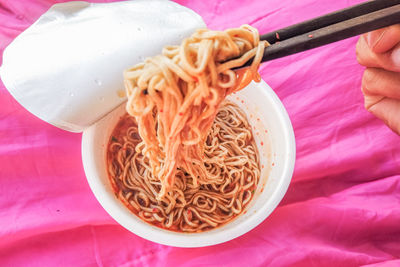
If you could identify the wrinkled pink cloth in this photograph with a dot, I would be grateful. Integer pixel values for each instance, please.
(342, 207)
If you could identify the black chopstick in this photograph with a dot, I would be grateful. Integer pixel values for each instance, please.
(328, 19)
(332, 33)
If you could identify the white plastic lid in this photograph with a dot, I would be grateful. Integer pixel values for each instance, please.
(67, 67)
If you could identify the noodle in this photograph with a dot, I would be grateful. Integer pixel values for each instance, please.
(230, 159)
(175, 98)
(182, 158)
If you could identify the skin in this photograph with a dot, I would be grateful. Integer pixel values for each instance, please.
(379, 52)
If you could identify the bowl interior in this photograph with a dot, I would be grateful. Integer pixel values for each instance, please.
(274, 137)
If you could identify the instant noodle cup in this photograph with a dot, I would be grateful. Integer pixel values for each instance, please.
(67, 70)
(274, 137)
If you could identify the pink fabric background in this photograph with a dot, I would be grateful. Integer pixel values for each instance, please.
(342, 207)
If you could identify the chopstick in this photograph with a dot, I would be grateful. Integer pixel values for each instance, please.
(330, 28)
(328, 19)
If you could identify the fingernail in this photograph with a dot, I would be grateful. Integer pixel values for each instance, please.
(395, 56)
(374, 37)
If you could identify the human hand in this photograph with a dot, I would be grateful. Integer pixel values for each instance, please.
(379, 51)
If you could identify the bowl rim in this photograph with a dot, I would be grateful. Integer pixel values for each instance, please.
(165, 237)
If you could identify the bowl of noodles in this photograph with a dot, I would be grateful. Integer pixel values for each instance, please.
(273, 137)
(198, 155)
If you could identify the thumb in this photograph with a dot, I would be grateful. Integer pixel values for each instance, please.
(382, 40)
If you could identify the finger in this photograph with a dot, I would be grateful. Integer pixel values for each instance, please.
(388, 110)
(380, 83)
(365, 56)
(383, 40)
(389, 60)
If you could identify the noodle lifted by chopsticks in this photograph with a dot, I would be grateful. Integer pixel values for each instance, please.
(175, 97)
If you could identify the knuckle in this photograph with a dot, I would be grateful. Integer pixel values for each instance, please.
(368, 79)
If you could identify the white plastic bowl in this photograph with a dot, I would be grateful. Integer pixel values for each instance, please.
(271, 128)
